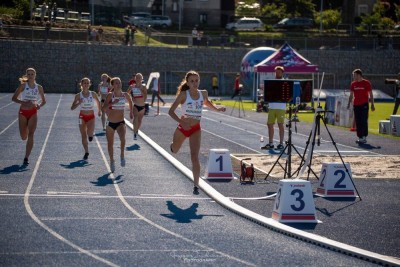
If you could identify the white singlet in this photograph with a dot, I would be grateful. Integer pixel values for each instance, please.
(192, 108)
(104, 90)
(30, 94)
(87, 103)
(136, 92)
(120, 105)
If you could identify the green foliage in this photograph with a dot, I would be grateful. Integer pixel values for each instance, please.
(274, 12)
(376, 19)
(248, 8)
(12, 12)
(330, 18)
(300, 8)
(22, 8)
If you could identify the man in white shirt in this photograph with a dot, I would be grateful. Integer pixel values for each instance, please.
(277, 111)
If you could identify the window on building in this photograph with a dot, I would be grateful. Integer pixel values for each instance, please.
(362, 10)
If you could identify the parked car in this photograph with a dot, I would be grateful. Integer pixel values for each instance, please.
(107, 18)
(294, 23)
(160, 21)
(249, 24)
(138, 18)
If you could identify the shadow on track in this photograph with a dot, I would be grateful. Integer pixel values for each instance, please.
(184, 215)
(76, 164)
(14, 168)
(105, 180)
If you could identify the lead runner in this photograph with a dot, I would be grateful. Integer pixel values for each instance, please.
(191, 100)
(27, 94)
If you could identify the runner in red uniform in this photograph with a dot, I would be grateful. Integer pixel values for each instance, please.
(86, 99)
(27, 94)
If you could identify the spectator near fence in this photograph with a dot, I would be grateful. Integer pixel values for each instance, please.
(47, 28)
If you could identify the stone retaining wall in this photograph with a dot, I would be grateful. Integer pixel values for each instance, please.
(61, 65)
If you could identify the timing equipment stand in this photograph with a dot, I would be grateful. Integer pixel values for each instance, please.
(316, 136)
(288, 147)
(240, 105)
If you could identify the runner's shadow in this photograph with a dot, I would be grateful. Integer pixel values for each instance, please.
(76, 164)
(133, 147)
(14, 168)
(105, 180)
(100, 134)
(184, 215)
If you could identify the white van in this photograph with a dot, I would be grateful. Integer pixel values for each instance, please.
(248, 24)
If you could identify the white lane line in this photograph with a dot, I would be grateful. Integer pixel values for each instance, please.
(137, 214)
(71, 193)
(83, 218)
(6, 194)
(103, 251)
(33, 215)
(5, 129)
(6, 105)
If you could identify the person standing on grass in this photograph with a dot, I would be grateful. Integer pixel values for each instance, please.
(191, 100)
(276, 112)
(86, 99)
(114, 106)
(360, 96)
(27, 95)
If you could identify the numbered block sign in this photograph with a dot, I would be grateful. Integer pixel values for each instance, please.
(219, 164)
(334, 181)
(294, 202)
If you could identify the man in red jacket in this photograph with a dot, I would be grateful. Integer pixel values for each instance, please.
(361, 93)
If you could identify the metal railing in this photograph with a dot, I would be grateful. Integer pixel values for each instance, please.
(35, 33)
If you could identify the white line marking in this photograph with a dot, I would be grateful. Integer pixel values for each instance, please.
(71, 193)
(83, 218)
(1, 97)
(102, 197)
(5, 129)
(6, 105)
(137, 214)
(33, 215)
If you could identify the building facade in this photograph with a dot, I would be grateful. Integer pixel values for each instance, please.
(188, 12)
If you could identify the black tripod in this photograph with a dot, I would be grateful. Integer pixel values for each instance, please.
(240, 104)
(289, 146)
(316, 138)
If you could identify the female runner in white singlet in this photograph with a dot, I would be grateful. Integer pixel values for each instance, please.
(103, 90)
(86, 99)
(114, 105)
(191, 100)
(138, 93)
(27, 94)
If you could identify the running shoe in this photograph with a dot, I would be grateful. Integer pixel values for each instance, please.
(112, 165)
(26, 161)
(86, 156)
(362, 140)
(123, 162)
(280, 147)
(268, 146)
(196, 190)
(134, 136)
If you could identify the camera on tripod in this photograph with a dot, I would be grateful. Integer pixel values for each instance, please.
(392, 81)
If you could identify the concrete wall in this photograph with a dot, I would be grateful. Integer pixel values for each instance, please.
(60, 65)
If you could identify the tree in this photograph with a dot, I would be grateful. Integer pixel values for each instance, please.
(330, 18)
(300, 8)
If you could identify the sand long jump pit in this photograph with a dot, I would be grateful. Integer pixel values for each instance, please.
(385, 167)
